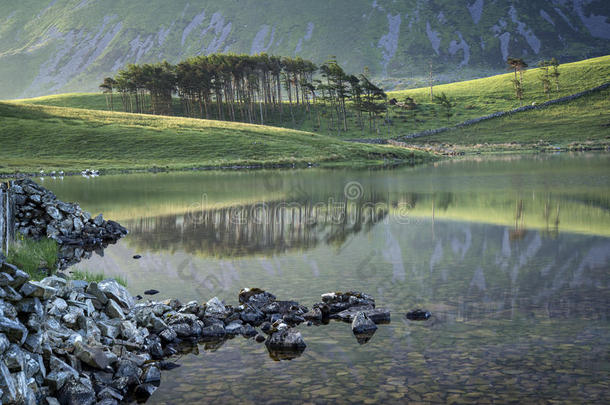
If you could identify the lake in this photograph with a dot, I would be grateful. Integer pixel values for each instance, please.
(511, 255)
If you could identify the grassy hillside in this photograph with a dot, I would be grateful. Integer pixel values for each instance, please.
(473, 99)
(51, 46)
(584, 122)
(54, 138)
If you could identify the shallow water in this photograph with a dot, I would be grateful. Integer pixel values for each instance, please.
(510, 254)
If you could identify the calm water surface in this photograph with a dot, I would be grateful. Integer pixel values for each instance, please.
(510, 254)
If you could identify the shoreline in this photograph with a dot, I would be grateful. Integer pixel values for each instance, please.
(253, 167)
(438, 152)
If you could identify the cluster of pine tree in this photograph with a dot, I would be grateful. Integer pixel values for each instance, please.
(249, 88)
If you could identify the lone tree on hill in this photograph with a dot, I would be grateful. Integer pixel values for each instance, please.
(518, 65)
(544, 76)
(555, 72)
(445, 103)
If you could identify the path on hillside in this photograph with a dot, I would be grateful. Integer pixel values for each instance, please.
(473, 121)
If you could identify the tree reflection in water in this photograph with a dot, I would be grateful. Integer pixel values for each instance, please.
(263, 228)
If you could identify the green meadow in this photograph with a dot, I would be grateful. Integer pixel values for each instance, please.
(36, 137)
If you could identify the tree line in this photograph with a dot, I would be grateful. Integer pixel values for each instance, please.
(249, 88)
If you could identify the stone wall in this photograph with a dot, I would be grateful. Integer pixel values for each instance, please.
(39, 214)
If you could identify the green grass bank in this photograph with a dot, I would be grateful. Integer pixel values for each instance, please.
(37, 137)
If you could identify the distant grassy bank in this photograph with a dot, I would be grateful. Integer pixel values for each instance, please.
(35, 137)
(474, 98)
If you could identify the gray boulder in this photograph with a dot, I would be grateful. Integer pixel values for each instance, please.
(214, 331)
(14, 359)
(99, 220)
(117, 292)
(14, 330)
(216, 309)
(113, 310)
(144, 391)
(286, 339)
(127, 368)
(234, 328)
(54, 213)
(75, 392)
(4, 343)
(19, 278)
(7, 384)
(38, 290)
(95, 357)
(363, 324)
(152, 375)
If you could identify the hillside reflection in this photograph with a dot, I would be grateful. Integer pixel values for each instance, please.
(258, 229)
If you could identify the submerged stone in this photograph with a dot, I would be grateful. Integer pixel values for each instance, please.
(377, 315)
(418, 315)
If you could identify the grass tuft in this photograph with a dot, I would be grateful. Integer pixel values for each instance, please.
(95, 277)
(37, 258)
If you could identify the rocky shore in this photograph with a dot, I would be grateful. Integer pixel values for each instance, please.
(73, 342)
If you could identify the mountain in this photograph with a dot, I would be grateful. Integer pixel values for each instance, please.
(51, 46)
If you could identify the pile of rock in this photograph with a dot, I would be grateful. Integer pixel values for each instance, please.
(73, 342)
(355, 307)
(69, 342)
(38, 214)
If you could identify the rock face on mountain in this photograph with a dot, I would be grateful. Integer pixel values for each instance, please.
(50, 46)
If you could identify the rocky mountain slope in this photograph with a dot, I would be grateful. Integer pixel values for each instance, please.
(51, 46)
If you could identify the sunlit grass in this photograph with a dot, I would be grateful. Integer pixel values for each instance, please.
(35, 137)
(584, 122)
(37, 258)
